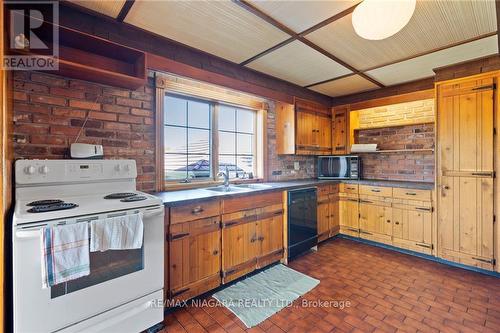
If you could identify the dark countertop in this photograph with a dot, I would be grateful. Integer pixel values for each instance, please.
(179, 197)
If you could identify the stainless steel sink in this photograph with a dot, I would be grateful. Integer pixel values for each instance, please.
(224, 189)
(254, 186)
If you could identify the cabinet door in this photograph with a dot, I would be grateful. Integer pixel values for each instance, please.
(349, 214)
(375, 221)
(334, 220)
(306, 129)
(324, 133)
(323, 217)
(194, 256)
(339, 129)
(412, 229)
(465, 172)
(270, 232)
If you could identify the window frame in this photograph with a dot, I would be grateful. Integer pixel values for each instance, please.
(259, 151)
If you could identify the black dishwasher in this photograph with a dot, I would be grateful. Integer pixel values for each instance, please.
(302, 223)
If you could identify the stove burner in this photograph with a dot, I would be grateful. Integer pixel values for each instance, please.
(119, 195)
(134, 198)
(50, 208)
(45, 202)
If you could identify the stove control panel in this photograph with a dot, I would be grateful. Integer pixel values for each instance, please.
(72, 171)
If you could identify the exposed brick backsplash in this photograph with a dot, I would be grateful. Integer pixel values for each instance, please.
(283, 165)
(411, 166)
(49, 111)
(397, 114)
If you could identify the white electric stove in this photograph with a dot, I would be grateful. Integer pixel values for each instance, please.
(124, 291)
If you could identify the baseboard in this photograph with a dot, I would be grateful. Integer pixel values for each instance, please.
(420, 255)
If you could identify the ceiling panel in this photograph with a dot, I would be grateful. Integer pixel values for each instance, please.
(301, 15)
(345, 86)
(422, 67)
(298, 63)
(111, 7)
(221, 28)
(434, 24)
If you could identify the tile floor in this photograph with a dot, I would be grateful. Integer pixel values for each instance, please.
(387, 291)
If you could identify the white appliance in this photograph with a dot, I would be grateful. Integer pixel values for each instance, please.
(86, 151)
(124, 291)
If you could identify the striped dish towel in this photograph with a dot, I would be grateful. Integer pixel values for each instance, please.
(117, 233)
(65, 253)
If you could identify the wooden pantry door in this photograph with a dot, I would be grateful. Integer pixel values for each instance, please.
(465, 171)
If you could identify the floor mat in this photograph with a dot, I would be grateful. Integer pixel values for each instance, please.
(258, 297)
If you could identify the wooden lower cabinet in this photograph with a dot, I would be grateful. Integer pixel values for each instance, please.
(334, 214)
(412, 228)
(349, 216)
(251, 239)
(323, 218)
(194, 257)
(375, 221)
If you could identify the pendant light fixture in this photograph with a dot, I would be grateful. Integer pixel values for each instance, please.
(380, 19)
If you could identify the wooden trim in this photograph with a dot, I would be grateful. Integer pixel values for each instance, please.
(159, 149)
(269, 50)
(329, 20)
(125, 10)
(403, 98)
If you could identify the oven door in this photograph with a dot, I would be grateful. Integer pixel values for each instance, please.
(117, 277)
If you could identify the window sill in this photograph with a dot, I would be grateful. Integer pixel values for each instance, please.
(171, 186)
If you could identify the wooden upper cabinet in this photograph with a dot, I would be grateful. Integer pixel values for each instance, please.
(313, 129)
(340, 132)
(465, 171)
(285, 128)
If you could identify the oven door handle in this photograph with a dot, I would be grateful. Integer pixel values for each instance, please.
(152, 212)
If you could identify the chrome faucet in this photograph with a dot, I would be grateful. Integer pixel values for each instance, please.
(226, 177)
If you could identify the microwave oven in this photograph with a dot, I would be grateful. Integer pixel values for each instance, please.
(339, 167)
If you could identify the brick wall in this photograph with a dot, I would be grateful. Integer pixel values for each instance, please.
(49, 111)
(281, 167)
(411, 166)
(397, 114)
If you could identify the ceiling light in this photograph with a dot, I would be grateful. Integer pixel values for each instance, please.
(379, 19)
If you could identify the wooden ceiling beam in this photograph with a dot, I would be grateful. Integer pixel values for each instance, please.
(125, 10)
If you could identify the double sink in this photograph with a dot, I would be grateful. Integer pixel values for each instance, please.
(238, 188)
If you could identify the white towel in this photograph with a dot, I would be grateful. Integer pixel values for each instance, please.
(116, 233)
(65, 253)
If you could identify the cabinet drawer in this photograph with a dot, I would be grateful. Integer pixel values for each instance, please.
(411, 194)
(194, 211)
(323, 190)
(349, 188)
(251, 201)
(378, 191)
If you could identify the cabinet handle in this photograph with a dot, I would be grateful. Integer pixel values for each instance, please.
(261, 238)
(396, 223)
(482, 174)
(388, 221)
(424, 245)
(352, 229)
(179, 236)
(353, 200)
(488, 261)
(228, 224)
(366, 201)
(350, 188)
(197, 210)
(253, 239)
(375, 190)
(365, 232)
(424, 209)
(216, 252)
(182, 291)
(411, 193)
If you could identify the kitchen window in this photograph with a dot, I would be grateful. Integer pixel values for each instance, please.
(203, 137)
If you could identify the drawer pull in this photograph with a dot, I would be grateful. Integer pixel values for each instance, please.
(197, 210)
(375, 190)
(411, 193)
(353, 200)
(228, 224)
(261, 238)
(487, 174)
(488, 261)
(424, 209)
(396, 223)
(365, 232)
(428, 246)
(350, 188)
(388, 221)
(177, 293)
(179, 236)
(352, 229)
(365, 201)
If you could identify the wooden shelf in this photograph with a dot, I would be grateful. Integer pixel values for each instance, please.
(91, 58)
(389, 151)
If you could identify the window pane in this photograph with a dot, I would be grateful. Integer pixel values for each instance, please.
(245, 144)
(230, 163)
(198, 114)
(245, 120)
(227, 118)
(175, 111)
(199, 166)
(227, 143)
(245, 163)
(175, 166)
(198, 141)
(175, 139)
